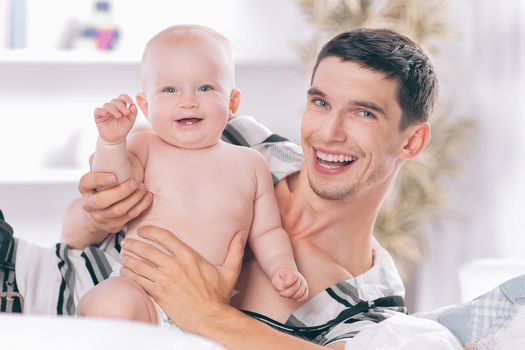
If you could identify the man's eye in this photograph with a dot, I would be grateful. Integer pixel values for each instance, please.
(367, 114)
(205, 88)
(169, 90)
(320, 103)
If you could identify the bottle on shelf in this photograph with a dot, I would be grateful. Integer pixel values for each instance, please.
(100, 32)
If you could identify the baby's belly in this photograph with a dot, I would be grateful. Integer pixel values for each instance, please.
(208, 233)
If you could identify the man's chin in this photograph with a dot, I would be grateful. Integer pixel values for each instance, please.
(332, 194)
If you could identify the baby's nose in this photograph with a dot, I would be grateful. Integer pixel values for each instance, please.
(188, 100)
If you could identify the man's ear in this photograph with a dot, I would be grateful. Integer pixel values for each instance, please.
(143, 103)
(235, 100)
(418, 136)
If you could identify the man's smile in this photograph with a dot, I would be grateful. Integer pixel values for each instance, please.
(332, 163)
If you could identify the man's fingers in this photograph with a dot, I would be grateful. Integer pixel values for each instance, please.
(163, 237)
(181, 252)
(143, 204)
(148, 285)
(110, 196)
(146, 251)
(140, 267)
(128, 206)
(109, 219)
(91, 181)
(235, 253)
(112, 225)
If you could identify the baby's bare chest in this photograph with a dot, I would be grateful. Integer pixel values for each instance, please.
(200, 179)
(203, 198)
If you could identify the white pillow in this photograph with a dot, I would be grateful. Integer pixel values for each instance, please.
(65, 333)
(514, 336)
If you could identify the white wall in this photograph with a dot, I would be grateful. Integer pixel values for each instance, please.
(482, 76)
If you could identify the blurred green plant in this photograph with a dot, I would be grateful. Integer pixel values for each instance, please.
(418, 194)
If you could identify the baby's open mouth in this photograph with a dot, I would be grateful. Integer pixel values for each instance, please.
(189, 121)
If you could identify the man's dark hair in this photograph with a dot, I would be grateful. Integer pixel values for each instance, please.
(396, 56)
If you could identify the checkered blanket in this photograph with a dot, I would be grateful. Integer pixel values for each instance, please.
(481, 323)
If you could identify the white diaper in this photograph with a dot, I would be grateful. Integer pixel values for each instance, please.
(162, 319)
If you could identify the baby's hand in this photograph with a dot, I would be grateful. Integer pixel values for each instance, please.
(290, 283)
(115, 119)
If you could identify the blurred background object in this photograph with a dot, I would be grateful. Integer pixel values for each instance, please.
(98, 31)
(479, 276)
(48, 91)
(12, 24)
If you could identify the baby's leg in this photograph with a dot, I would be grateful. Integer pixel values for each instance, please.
(118, 297)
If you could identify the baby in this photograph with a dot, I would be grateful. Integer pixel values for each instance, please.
(205, 190)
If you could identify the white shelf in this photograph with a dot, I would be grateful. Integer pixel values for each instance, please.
(68, 57)
(41, 176)
(27, 56)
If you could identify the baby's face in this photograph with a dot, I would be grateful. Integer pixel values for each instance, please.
(188, 87)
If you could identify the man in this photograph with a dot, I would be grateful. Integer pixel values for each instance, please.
(368, 107)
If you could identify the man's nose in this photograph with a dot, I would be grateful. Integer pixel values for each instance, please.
(332, 128)
(188, 100)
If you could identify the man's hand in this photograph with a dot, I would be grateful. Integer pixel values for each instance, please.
(115, 119)
(111, 209)
(290, 283)
(187, 287)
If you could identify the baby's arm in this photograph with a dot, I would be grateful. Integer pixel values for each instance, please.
(270, 242)
(114, 121)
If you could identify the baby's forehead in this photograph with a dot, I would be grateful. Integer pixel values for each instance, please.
(188, 35)
(205, 43)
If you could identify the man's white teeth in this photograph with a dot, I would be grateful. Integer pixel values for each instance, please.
(328, 166)
(334, 157)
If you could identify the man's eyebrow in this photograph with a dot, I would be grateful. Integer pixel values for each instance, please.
(315, 91)
(370, 105)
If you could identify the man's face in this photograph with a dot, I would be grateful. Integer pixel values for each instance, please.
(350, 129)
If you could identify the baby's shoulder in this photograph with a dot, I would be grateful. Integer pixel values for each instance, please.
(143, 132)
(244, 153)
(144, 138)
(141, 135)
(247, 158)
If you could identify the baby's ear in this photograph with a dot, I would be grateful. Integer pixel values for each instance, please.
(143, 103)
(235, 100)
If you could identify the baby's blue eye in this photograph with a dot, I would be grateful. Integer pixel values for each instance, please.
(169, 89)
(320, 103)
(205, 88)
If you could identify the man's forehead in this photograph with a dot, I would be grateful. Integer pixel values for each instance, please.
(333, 66)
(349, 80)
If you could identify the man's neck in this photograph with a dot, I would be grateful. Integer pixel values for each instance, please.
(332, 242)
(341, 229)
